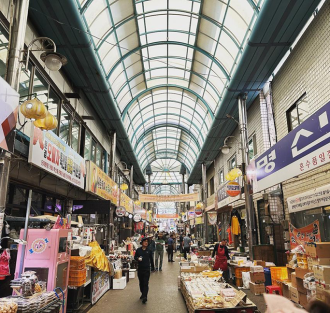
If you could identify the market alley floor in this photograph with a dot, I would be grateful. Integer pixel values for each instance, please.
(164, 295)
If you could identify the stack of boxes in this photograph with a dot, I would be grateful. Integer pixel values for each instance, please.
(78, 271)
(319, 262)
(257, 277)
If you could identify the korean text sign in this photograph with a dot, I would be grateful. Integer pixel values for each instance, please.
(303, 149)
(52, 154)
(98, 182)
(300, 236)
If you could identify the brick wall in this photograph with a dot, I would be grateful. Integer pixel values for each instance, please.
(307, 69)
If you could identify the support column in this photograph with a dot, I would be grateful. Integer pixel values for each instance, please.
(131, 186)
(149, 191)
(13, 69)
(204, 186)
(183, 189)
(112, 161)
(250, 214)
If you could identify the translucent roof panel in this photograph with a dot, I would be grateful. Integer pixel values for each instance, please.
(168, 63)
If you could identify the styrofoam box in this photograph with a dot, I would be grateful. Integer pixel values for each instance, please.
(119, 283)
(132, 273)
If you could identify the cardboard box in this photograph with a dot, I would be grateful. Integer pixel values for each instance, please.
(257, 277)
(303, 299)
(317, 261)
(256, 268)
(286, 290)
(322, 273)
(294, 294)
(300, 286)
(257, 289)
(318, 249)
(323, 295)
(293, 280)
(187, 269)
(200, 268)
(300, 272)
(290, 271)
(260, 262)
(119, 283)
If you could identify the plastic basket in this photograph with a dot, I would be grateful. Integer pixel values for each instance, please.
(76, 282)
(239, 270)
(279, 273)
(77, 274)
(77, 263)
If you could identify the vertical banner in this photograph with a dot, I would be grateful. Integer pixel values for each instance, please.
(309, 233)
(212, 217)
(100, 284)
(9, 101)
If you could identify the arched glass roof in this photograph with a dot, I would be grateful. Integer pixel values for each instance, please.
(168, 64)
(166, 172)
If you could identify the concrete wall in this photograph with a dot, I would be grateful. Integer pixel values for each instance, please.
(305, 70)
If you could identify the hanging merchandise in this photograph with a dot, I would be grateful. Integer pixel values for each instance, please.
(230, 239)
(97, 258)
(47, 123)
(4, 264)
(33, 109)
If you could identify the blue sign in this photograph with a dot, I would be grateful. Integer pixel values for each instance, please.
(303, 149)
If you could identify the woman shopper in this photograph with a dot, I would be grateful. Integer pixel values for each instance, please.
(222, 255)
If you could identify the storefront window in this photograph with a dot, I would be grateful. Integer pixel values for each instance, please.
(298, 112)
(93, 150)
(75, 134)
(232, 162)
(252, 147)
(3, 52)
(98, 156)
(87, 147)
(211, 187)
(64, 126)
(221, 177)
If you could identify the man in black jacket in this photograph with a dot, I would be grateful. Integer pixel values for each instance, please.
(143, 256)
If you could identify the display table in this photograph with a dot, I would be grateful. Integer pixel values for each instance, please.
(206, 294)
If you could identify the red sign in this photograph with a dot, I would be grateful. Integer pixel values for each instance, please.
(233, 189)
(309, 233)
(198, 211)
(138, 226)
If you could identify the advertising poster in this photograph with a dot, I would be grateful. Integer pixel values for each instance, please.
(169, 198)
(309, 233)
(9, 101)
(52, 154)
(100, 285)
(212, 218)
(99, 183)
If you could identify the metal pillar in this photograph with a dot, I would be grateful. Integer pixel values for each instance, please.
(131, 190)
(204, 186)
(113, 155)
(149, 191)
(250, 214)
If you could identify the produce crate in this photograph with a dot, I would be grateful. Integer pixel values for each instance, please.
(76, 282)
(77, 263)
(279, 273)
(77, 273)
(239, 270)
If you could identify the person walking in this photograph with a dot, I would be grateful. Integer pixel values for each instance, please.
(222, 255)
(181, 242)
(170, 248)
(159, 253)
(143, 256)
(152, 249)
(186, 245)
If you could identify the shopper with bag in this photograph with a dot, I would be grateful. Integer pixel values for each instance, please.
(143, 256)
(222, 255)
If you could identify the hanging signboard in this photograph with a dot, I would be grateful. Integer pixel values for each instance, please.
(126, 202)
(223, 197)
(199, 220)
(100, 285)
(167, 216)
(300, 236)
(314, 198)
(169, 198)
(233, 189)
(198, 212)
(138, 226)
(9, 101)
(303, 149)
(137, 218)
(212, 218)
(120, 211)
(99, 183)
(52, 154)
(191, 214)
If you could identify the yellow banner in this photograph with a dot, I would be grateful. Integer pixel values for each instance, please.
(100, 183)
(126, 202)
(169, 198)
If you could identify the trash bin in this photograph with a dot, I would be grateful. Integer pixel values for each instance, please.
(268, 278)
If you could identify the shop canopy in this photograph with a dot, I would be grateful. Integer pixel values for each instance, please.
(165, 73)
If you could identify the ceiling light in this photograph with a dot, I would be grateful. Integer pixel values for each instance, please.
(53, 60)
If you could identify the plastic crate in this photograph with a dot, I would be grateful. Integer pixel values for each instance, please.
(239, 270)
(275, 282)
(279, 273)
(77, 263)
(76, 282)
(78, 274)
